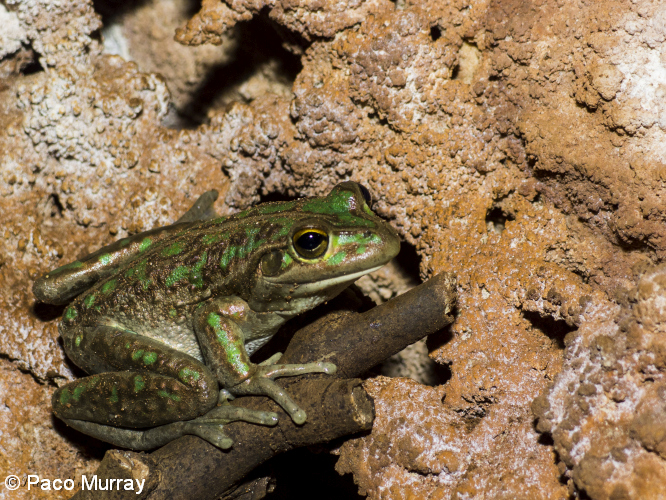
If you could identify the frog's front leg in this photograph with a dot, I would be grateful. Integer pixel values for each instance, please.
(218, 328)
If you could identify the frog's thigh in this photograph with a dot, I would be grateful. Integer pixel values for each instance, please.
(143, 382)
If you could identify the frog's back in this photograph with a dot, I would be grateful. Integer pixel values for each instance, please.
(169, 279)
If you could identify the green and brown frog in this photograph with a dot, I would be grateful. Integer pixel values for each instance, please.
(165, 321)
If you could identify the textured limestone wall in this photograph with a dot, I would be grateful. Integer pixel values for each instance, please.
(518, 144)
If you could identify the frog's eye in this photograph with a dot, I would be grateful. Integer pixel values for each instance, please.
(310, 243)
(366, 194)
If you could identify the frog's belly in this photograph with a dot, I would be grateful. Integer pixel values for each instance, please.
(178, 336)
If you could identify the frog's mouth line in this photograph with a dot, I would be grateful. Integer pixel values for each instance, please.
(318, 285)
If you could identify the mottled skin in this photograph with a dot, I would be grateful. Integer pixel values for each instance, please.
(165, 321)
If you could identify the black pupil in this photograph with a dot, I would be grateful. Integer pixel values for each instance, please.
(366, 194)
(310, 241)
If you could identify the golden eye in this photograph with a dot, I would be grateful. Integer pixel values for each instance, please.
(310, 243)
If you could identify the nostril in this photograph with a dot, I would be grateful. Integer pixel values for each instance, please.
(367, 234)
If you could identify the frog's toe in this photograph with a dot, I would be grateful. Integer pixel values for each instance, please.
(276, 371)
(272, 360)
(229, 413)
(299, 417)
(209, 432)
(225, 395)
(328, 368)
(260, 385)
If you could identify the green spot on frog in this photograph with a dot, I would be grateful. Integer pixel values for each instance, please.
(124, 242)
(114, 394)
(139, 272)
(337, 202)
(180, 273)
(77, 264)
(137, 355)
(251, 246)
(145, 243)
(65, 396)
(337, 258)
(71, 313)
(352, 220)
(149, 358)
(196, 275)
(285, 224)
(211, 238)
(286, 260)
(173, 313)
(360, 239)
(105, 259)
(188, 375)
(228, 256)
(139, 384)
(165, 394)
(173, 249)
(78, 391)
(231, 349)
(109, 286)
(77, 340)
(89, 301)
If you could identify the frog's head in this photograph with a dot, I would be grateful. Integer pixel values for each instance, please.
(330, 243)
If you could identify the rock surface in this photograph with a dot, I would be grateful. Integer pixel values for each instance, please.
(520, 145)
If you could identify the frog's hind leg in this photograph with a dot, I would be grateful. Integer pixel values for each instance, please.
(140, 383)
(207, 427)
(136, 382)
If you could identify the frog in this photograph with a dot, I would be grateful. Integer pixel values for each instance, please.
(164, 322)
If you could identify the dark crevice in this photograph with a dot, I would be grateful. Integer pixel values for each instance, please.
(498, 218)
(552, 328)
(582, 495)
(409, 261)
(32, 67)
(380, 121)
(112, 10)
(56, 206)
(276, 196)
(87, 446)
(546, 439)
(47, 312)
(259, 42)
(305, 474)
(435, 33)
(454, 72)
